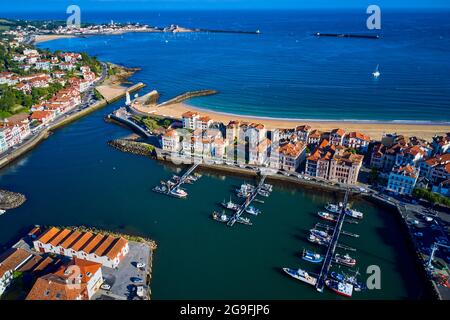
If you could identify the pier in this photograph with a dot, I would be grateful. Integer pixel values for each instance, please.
(332, 247)
(172, 189)
(184, 177)
(247, 202)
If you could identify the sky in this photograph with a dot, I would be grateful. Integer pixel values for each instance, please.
(54, 5)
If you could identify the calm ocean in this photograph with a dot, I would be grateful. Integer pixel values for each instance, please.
(285, 72)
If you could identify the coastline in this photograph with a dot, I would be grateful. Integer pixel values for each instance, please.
(50, 37)
(375, 129)
(112, 88)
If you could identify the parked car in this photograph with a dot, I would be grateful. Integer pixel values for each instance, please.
(136, 280)
(140, 291)
(140, 265)
(105, 286)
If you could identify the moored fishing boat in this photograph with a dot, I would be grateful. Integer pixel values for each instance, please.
(357, 285)
(311, 256)
(341, 288)
(320, 233)
(179, 193)
(345, 260)
(230, 205)
(301, 275)
(263, 193)
(334, 208)
(323, 242)
(354, 213)
(252, 210)
(222, 217)
(327, 216)
(245, 221)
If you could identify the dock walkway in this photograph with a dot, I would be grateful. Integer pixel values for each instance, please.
(247, 202)
(332, 247)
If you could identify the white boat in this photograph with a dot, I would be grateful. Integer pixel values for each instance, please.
(341, 288)
(252, 210)
(2, 211)
(178, 193)
(376, 74)
(301, 275)
(354, 213)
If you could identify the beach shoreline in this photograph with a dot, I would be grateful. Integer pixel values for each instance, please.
(375, 129)
(51, 37)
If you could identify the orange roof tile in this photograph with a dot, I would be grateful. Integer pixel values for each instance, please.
(47, 236)
(51, 287)
(92, 245)
(106, 243)
(71, 238)
(59, 237)
(116, 248)
(81, 241)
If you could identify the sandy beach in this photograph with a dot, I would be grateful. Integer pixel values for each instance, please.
(374, 130)
(50, 37)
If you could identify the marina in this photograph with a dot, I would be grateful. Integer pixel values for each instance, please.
(246, 204)
(329, 237)
(173, 187)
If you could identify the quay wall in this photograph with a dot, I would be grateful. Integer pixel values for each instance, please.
(431, 287)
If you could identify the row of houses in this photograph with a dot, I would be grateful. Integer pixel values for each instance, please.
(107, 250)
(67, 264)
(282, 149)
(410, 161)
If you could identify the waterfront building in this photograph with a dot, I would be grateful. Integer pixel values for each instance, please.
(16, 128)
(303, 133)
(288, 156)
(43, 117)
(345, 166)
(189, 120)
(337, 136)
(203, 122)
(78, 280)
(3, 142)
(402, 179)
(357, 141)
(441, 144)
(258, 154)
(11, 261)
(411, 155)
(104, 249)
(436, 168)
(315, 136)
(318, 163)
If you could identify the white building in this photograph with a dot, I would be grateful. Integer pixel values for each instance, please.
(402, 179)
(104, 249)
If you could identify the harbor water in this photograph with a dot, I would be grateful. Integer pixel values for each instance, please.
(75, 178)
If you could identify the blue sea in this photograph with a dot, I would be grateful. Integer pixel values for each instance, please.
(286, 72)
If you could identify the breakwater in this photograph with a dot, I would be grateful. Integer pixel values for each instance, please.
(348, 35)
(134, 147)
(187, 96)
(11, 200)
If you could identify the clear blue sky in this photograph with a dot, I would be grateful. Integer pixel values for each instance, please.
(54, 5)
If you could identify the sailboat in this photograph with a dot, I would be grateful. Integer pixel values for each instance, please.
(377, 72)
